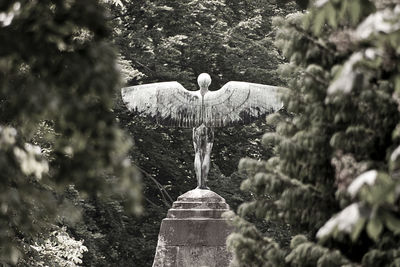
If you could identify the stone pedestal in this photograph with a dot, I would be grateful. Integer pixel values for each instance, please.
(194, 234)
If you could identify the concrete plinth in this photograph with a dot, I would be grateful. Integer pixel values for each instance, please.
(194, 234)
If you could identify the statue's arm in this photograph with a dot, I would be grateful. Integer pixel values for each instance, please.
(195, 140)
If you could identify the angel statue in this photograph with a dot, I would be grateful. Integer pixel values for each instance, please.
(170, 104)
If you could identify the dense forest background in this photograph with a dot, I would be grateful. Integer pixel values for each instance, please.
(86, 183)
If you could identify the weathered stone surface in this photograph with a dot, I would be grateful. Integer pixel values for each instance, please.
(201, 195)
(202, 256)
(199, 205)
(195, 213)
(165, 255)
(194, 233)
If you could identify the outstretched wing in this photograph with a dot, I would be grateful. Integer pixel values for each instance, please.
(241, 103)
(170, 104)
(167, 103)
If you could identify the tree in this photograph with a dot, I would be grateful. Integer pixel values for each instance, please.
(168, 40)
(334, 176)
(177, 40)
(57, 82)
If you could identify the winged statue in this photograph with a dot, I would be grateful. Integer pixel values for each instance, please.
(170, 104)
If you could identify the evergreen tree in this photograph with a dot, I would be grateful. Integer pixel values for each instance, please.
(334, 176)
(57, 84)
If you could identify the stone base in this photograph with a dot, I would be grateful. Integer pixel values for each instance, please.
(194, 234)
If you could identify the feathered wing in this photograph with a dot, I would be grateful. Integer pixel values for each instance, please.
(241, 103)
(170, 104)
(167, 103)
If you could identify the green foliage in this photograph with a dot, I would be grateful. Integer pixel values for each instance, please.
(56, 91)
(247, 244)
(59, 249)
(305, 253)
(343, 108)
(347, 12)
(112, 235)
(178, 40)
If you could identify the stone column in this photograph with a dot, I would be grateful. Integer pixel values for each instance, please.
(194, 234)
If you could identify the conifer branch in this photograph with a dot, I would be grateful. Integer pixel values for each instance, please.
(151, 202)
(142, 65)
(316, 78)
(159, 187)
(309, 37)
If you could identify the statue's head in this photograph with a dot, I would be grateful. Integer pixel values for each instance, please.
(204, 80)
